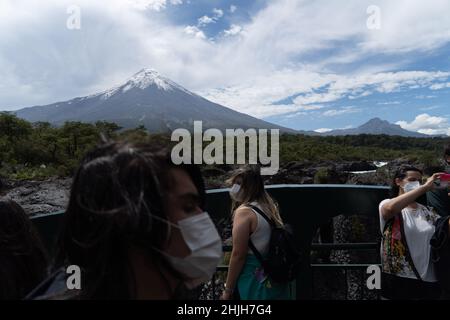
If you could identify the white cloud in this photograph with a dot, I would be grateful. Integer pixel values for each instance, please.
(272, 110)
(323, 130)
(430, 108)
(193, 30)
(294, 115)
(362, 85)
(42, 62)
(205, 20)
(439, 86)
(234, 30)
(424, 123)
(156, 5)
(341, 111)
(218, 13)
(388, 103)
(233, 8)
(263, 91)
(312, 107)
(422, 96)
(360, 95)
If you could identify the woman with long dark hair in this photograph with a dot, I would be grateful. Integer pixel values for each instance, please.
(136, 227)
(23, 259)
(245, 273)
(407, 227)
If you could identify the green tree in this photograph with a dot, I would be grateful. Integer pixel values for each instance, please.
(13, 128)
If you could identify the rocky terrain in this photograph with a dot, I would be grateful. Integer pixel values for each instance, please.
(38, 197)
(52, 194)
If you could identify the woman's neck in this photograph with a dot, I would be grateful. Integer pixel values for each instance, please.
(151, 280)
(413, 205)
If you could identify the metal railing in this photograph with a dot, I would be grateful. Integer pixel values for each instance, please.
(326, 267)
(361, 268)
(302, 206)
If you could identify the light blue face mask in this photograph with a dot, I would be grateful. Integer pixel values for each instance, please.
(410, 186)
(234, 192)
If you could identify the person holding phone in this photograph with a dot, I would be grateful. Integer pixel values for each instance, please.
(407, 228)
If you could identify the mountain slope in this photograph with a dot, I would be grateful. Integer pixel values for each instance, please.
(376, 126)
(147, 99)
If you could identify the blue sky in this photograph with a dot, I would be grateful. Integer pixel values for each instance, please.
(308, 65)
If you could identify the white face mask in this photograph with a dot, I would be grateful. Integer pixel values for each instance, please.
(234, 192)
(201, 237)
(410, 186)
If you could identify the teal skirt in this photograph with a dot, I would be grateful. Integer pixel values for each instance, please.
(254, 285)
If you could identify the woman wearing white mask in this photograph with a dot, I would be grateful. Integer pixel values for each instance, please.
(407, 228)
(135, 227)
(245, 273)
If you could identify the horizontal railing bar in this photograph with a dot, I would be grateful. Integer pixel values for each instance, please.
(310, 186)
(222, 268)
(345, 246)
(335, 266)
(338, 266)
(334, 246)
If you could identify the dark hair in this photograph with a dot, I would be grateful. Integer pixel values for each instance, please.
(117, 194)
(23, 259)
(401, 173)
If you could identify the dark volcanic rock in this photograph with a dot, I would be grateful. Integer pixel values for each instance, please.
(37, 197)
(356, 166)
(379, 178)
(304, 172)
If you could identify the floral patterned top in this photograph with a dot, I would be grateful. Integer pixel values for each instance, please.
(419, 227)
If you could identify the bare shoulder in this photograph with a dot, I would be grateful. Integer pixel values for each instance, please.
(244, 213)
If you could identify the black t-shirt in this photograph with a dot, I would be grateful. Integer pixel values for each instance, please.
(440, 201)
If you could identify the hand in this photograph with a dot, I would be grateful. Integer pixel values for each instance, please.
(430, 182)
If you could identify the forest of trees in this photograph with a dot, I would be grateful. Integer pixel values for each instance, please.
(40, 150)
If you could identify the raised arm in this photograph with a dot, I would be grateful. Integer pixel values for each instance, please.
(396, 205)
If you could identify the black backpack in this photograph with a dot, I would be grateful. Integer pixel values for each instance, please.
(282, 262)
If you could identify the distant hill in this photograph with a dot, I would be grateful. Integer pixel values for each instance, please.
(376, 126)
(148, 99)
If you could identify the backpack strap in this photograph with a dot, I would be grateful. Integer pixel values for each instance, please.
(270, 221)
(250, 243)
(255, 251)
(408, 254)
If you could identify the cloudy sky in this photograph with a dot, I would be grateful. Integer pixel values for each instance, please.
(304, 64)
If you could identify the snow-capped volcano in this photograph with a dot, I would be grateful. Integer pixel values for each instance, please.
(149, 99)
(147, 77)
(142, 80)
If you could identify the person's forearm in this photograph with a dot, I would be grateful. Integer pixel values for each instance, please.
(236, 264)
(397, 204)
